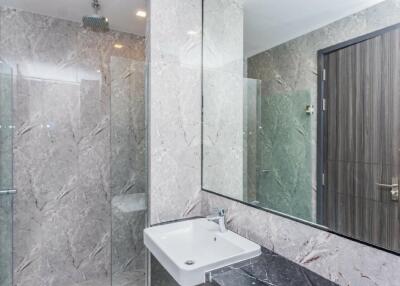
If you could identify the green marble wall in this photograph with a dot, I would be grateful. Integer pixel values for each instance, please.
(5, 175)
(284, 154)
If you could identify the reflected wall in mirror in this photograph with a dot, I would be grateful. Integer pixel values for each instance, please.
(299, 111)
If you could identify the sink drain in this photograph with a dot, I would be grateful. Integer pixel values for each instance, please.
(189, 262)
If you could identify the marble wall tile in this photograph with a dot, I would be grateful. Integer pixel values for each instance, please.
(62, 151)
(336, 258)
(223, 30)
(6, 126)
(45, 204)
(127, 126)
(284, 154)
(174, 109)
(128, 172)
(6, 133)
(223, 98)
(175, 32)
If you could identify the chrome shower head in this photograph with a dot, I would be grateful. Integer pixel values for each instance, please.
(96, 22)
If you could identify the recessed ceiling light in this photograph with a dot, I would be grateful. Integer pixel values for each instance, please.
(118, 46)
(141, 13)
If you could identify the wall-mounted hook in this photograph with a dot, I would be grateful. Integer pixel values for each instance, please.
(309, 109)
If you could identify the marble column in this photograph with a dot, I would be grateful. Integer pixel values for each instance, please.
(223, 127)
(174, 108)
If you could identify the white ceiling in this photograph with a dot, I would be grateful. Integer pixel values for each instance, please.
(268, 23)
(121, 13)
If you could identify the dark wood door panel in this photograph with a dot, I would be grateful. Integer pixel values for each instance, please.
(362, 139)
(362, 92)
(361, 180)
(367, 220)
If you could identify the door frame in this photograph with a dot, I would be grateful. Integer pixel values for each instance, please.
(321, 98)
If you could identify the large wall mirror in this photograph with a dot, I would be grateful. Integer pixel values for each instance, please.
(301, 111)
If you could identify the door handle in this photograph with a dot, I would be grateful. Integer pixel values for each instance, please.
(8, 192)
(394, 189)
(387, 186)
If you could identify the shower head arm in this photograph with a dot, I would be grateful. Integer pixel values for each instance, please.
(96, 5)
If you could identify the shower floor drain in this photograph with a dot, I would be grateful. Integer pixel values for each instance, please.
(189, 262)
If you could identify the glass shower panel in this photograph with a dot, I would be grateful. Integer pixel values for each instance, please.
(6, 180)
(251, 119)
(128, 171)
(284, 148)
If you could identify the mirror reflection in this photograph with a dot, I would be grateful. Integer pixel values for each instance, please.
(300, 111)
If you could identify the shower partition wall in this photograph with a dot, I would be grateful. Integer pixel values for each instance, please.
(6, 178)
(128, 173)
(284, 161)
(276, 126)
(78, 151)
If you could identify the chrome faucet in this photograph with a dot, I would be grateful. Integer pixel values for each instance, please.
(219, 218)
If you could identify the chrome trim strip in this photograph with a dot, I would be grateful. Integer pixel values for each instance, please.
(8, 192)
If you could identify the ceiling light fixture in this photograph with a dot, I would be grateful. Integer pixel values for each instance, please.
(141, 13)
(191, 32)
(118, 46)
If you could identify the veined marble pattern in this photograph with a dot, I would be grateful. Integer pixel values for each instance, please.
(62, 212)
(6, 126)
(267, 269)
(283, 149)
(223, 97)
(175, 109)
(6, 132)
(127, 126)
(128, 173)
(338, 259)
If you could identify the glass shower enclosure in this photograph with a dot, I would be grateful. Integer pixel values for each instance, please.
(73, 143)
(6, 175)
(277, 144)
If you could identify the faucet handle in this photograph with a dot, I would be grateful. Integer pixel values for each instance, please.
(219, 211)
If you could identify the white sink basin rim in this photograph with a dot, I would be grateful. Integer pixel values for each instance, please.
(188, 249)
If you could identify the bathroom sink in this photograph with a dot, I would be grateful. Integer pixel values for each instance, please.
(188, 249)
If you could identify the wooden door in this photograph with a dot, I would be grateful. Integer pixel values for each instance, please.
(361, 149)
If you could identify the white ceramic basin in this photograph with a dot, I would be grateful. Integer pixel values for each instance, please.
(199, 241)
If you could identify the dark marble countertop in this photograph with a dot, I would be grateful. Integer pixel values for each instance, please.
(267, 269)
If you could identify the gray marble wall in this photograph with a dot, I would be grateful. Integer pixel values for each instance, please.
(333, 257)
(6, 131)
(128, 173)
(223, 99)
(62, 110)
(174, 52)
